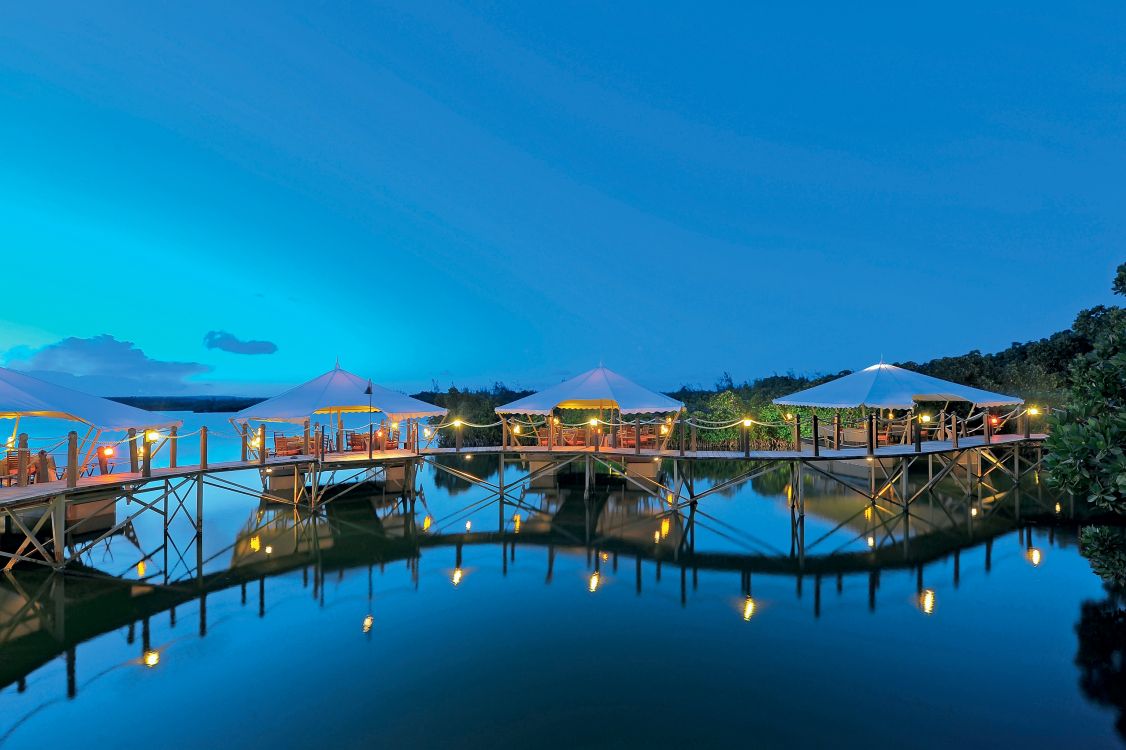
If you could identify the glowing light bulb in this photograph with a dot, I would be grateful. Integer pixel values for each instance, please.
(468, 525)
(455, 579)
(151, 658)
(107, 451)
(664, 430)
(748, 608)
(368, 622)
(516, 429)
(555, 420)
(994, 421)
(592, 584)
(516, 523)
(426, 523)
(747, 422)
(1033, 410)
(973, 512)
(456, 423)
(394, 425)
(594, 422)
(141, 569)
(669, 499)
(789, 416)
(426, 432)
(871, 541)
(1058, 508)
(925, 418)
(255, 543)
(665, 526)
(604, 556)
(269, 550)
(927, 601)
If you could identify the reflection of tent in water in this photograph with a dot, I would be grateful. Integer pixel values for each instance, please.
(277, 531)
(624, 515)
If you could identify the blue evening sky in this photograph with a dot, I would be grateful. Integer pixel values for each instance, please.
(515, 191)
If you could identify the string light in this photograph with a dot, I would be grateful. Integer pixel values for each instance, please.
(593, 421)
(747, 422)
(456, 423)
(516, 429)
(107, 451)
(1033, 410)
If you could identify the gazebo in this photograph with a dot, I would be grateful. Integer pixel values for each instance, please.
(884, 386)
(23, 396)
(334, 394)
(602, 390)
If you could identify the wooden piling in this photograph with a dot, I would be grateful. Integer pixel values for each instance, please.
(131, 438)
(22, 457)
(816, 435)
(202, 448)
(71, 459)
(262, 451)
(173, 443)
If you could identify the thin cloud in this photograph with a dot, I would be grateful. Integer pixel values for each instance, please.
(228, 342)
(106, 366)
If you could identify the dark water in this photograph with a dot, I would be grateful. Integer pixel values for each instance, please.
(987, 627)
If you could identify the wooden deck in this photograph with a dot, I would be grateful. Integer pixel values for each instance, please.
(35, 494)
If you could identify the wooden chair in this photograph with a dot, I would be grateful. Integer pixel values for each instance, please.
(627, 437)
(287, 446)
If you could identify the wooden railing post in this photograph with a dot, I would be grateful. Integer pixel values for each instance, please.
(173, 442)
(816, 435)
(871, 433)
(797, 432)
(637, 436)
(243, 454)
(695, 446)
(305, 440)
(1027, 419)
(131, 438)
(262, 451)
(43, 467)
(837, 431)
(917, 432)
(146, 455)
(746, 434)
(457, 437)
(202, 448)
(21, 460)
(954, 431)
(72, 459)
(987, 426)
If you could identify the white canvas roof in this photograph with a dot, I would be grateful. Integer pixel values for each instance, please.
(336, 390)
(889, 387)
(24, 396)
(599, 388)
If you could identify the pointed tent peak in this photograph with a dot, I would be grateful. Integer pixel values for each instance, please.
(337, 364)
(887, 386)
(337, 391)
(22, 395)
(599, 388)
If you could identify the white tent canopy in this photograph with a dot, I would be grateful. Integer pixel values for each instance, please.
(24, 396)
(336, 391)
(599, 388)
(886, 386)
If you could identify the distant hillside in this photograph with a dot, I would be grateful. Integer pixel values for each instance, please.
(189, 403)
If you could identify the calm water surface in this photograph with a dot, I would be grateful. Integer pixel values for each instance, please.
(585, 629)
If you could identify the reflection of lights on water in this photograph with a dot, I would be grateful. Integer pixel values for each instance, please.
(669, 499)
(665, 526)
(141, 569)
(748, 608)
(927, 601)
(605, 556)
(457, 576)
(1058, 508)
(973, 512)
(368, 622)
(871, 541)
(656, 537)
(1034, 556)
(868, 513)
(269, 550)
(151, 658)
(255, 543)
(468, 525)
(594, 580)
(426, 523)
(516, 523)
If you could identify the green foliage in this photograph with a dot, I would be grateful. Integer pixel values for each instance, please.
(1105, 549)
(1087, 446)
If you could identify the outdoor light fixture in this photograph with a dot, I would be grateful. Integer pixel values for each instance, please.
(1058, 508)
(152, 436)
(871, 541)
(516, 429)
(994, 420)
(593, 422)
(789, 416)
(665, 526)
(656, 537)
(456, 423)
(747, 423)
(925, 418)
(269, 550)
(107, 451)
(468, 525)
(426, 523)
